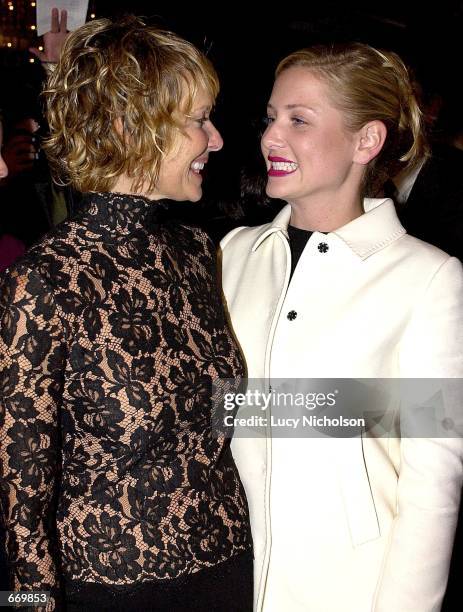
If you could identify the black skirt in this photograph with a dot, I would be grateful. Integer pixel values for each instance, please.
(227, 586)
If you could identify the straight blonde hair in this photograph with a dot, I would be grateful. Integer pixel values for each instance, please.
(367, 84)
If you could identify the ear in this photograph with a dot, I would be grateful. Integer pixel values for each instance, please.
(370, 141)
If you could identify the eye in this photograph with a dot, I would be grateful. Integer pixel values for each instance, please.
(298, 121)
(202, 120)
(268, 120)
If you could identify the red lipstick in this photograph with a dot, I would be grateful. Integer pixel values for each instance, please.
(271, 158)
(273, 172)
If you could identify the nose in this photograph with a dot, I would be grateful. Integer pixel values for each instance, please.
(3, 168)
(215, 142)
(272, 138)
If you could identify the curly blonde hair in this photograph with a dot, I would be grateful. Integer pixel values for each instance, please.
(368, 84)
(115, 102)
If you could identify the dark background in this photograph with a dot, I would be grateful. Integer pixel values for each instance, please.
(245, 42)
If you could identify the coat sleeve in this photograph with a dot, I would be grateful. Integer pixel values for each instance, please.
(416, 565)
(31, 373)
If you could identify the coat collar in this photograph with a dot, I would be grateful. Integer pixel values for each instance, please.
(369, 233)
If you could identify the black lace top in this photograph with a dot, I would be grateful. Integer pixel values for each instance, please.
(112, 330)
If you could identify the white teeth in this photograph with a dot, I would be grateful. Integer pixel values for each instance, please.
(197, 166)
(285, 166)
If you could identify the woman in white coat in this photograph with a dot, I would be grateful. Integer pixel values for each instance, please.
(335, 288)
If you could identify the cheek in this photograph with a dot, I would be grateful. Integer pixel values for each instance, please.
(171, 172)
(337, 142)
(263, 148)
(305, 152)
(195, 144)
(325, 151)
(202, 141)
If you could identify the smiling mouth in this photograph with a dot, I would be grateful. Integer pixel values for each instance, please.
(197, 167)
(280, 166)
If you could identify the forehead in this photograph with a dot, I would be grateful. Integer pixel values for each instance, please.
(202, 100)
(299, 85)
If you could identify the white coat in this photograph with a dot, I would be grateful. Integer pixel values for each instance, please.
(362, 524)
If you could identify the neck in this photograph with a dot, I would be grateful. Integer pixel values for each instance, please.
(121, 214)
(124, 185)
(324, 216)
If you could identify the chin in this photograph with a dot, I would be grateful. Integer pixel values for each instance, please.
(195, 197)
(274, 192)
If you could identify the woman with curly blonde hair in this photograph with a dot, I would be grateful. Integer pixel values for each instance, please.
(114, 492)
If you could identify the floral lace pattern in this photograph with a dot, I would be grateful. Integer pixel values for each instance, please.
(112, 331)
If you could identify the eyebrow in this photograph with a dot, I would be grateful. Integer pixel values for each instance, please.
(293, 106)
(199, 111)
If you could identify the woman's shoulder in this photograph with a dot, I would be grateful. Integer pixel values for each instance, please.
(243, 235)
(423, 252)
(190, 239)
(419, 264)
(50, 259)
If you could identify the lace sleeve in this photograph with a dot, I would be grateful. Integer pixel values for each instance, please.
(31, 373)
